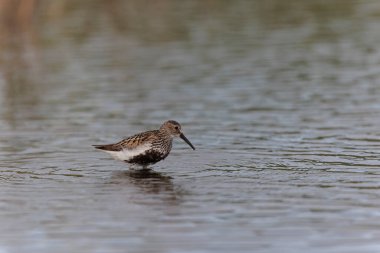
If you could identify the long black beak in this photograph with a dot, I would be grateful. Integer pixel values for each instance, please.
(183, 137)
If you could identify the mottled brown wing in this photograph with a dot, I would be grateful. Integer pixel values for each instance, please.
(130, 142)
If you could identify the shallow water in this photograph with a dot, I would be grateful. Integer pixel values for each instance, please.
(281, 100)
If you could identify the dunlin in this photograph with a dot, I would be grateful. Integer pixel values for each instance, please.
(146, 148)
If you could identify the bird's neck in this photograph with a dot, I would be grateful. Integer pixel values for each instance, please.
(166, 134)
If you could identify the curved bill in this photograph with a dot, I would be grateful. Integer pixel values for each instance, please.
(182, 136)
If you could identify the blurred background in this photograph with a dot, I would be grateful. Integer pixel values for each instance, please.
(280, 98)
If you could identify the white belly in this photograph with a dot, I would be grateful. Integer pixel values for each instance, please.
(126, 154)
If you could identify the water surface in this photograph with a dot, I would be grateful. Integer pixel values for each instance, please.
(281, 100)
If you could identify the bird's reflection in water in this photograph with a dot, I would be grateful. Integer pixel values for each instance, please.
(150, 182)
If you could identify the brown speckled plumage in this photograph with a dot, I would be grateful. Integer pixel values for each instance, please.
(148, 147)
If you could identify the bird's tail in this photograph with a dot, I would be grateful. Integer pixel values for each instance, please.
(108, 147)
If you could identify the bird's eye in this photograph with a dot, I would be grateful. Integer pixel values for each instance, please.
(176, 127)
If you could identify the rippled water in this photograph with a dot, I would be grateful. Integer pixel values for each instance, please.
(281, 100)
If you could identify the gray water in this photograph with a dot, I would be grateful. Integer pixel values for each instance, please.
(280, 98)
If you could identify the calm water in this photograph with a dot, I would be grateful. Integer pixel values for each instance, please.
(281, 99)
